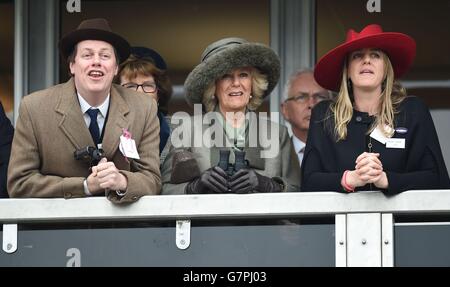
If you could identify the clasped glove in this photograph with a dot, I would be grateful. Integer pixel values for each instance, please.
(213, 180)
(249, 181)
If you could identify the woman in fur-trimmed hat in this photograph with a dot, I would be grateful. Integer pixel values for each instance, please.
(230, 83)
(373, 137)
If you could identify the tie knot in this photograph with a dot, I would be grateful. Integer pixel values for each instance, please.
(93, 114)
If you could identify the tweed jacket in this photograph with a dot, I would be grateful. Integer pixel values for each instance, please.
(51, 127)
(283, 167)
(6, 136)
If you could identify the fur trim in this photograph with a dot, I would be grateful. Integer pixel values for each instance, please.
(243, 55)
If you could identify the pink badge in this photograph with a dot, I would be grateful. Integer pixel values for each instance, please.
(126, 134)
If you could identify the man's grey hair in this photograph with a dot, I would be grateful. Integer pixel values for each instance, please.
(292, 77)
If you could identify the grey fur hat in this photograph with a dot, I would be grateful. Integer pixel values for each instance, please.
(225, 55)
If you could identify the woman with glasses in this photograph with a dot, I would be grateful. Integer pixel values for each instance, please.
(145, 71)
(373, 137)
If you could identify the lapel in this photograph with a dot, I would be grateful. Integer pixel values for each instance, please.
(74, 126)
(252, 152)
(72, 123)
(117, 121)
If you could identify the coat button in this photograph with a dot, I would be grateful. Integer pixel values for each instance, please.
(358, 119)
(68, 195)
(134, 198)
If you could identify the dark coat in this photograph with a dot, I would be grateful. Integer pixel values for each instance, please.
(164, 131)
(6, 137)
(420, 165)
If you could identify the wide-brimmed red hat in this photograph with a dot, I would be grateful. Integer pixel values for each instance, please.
(94, 29)
(400, 48)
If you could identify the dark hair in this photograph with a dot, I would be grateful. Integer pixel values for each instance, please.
(134, 67)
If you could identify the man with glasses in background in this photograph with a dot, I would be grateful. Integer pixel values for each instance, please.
(301, 94)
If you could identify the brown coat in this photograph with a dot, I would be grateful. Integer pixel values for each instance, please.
(51, 127)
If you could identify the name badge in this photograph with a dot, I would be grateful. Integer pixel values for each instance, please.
(127, 147)
(395, 143)
(379, 136)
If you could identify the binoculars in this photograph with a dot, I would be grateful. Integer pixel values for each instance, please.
(239, 163)
(89, 154)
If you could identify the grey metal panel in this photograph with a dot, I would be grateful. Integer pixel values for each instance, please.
(422, 223)
(43, 49)
(422, 245)
(35, 53)
(440, 119)
(364, 239)
(426, 84)
(20, 53)
(292, 36)
(211, 246)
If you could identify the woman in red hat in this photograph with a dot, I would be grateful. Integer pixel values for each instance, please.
(373, 136)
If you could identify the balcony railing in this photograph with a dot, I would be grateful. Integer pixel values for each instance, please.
(287, 229)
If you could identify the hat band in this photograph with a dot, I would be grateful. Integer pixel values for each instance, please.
(219, 48)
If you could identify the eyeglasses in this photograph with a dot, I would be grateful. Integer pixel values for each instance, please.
(146, 87)
(305, 97)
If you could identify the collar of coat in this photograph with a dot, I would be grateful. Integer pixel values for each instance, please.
(74, 127)
(252, 152)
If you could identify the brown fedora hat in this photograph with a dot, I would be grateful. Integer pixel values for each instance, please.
(94, 29)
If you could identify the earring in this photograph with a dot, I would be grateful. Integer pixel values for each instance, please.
(213, 97)
(251, 96)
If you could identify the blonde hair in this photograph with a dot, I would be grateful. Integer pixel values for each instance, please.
(259, 87)
(392, 95)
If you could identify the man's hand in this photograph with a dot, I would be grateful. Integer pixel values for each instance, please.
(105, 175)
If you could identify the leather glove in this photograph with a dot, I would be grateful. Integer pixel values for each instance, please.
(249, 181)
(213, 180)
